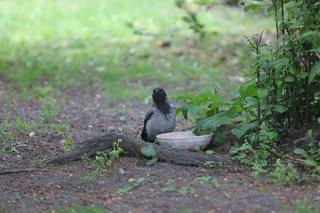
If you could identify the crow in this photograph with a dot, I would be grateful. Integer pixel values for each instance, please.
(160, 118)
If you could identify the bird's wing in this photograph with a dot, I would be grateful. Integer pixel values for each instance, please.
(144, 134)
(148, 116)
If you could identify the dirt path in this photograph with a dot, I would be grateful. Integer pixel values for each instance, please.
(67, 185)
(166, 188)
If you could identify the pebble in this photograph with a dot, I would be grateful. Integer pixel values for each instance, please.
(121, 171)
(31, 134)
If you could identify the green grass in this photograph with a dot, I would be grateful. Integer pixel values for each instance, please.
(81, 209)
(61, 43)
(15, 126)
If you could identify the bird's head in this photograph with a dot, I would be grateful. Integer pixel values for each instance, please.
(159, 95)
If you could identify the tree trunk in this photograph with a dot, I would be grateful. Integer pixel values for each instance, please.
(132, 147)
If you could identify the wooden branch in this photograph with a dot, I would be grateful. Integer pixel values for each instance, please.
(14, 171)
(287, 157)
(132, 147)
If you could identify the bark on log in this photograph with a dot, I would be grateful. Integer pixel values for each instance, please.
(14, 171)
(132, 147)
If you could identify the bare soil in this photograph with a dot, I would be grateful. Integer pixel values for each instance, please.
(88, 113)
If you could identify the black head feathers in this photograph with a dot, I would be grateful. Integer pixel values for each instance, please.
(159, 95)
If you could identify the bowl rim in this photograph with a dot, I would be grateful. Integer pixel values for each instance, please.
(163, 135)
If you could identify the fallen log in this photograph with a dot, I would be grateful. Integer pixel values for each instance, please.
(14, 171)
(132, 147)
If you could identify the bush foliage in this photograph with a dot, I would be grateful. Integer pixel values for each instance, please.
(283, 89)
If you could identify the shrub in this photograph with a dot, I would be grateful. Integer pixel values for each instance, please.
(281, 93)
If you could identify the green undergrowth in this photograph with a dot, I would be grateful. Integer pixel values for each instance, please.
(14, 127)
(280, 97)
(80, 209)
(102, 160)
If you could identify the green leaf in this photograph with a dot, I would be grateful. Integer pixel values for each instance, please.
(214, 121)
(250, 102)
(299, 151)
(210, 151)
(187, 97)
(135, 185)
(303, 74)
(281, 63)
(185, 113)
(236, 108)
(169, 188)
(138, 182)
(242, 130)
(289, 79)
(193, 108)
(314, 72)
(248, 89)
(150, 153)
(310, 162)
(245, 146)
(262, 92)
(313, 37)
(68, 145)
(280, 108)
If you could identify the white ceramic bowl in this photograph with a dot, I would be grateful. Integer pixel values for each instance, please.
(184, 140)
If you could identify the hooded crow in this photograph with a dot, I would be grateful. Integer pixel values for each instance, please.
(160, 118)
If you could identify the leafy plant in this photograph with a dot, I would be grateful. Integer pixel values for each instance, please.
(310, 154)
(101, 160)
(286, 73)
(256, 150)
(104, 159)
(68, 145)
(131, 187)
(202, 179)
(206, 180)
(210, 151)
(50, 108)
(209, 164)
(205, 110)
(61, 129)
(183, 190)
(280, 94)
(284, 173)
(11, 128)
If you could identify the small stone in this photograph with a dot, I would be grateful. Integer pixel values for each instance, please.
(165, 42)
(122, 118)
(31, 134)
(100, 69)
(121, 171)
(62, 142)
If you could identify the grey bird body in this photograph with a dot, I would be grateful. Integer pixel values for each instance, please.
(161, 118)
(160, 123)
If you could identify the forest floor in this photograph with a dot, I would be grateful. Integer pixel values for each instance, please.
(164, 187)
(70, 71)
